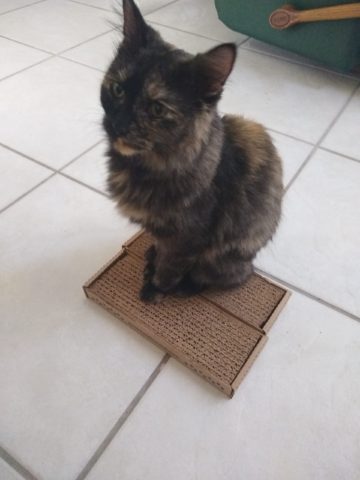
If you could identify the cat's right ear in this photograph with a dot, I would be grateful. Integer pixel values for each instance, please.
(135, 29)
(213, 69)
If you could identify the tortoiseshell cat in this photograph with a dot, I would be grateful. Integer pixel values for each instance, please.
(209, 189)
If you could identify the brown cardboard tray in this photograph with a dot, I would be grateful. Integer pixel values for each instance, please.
(216, 334)
(254, 302)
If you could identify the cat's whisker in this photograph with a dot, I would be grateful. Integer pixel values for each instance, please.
(118, 24)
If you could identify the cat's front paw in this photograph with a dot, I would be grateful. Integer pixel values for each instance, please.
(188, 287)
(149, 270)
(150, 294)
(150, 254)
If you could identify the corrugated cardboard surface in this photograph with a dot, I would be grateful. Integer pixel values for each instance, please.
(216, 334)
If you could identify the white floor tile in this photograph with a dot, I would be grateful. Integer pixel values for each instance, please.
(295, 416)
(268, 49)
(99, 52)
(146, 6)
(52, 111)
(17, 176)
(293, 153)
(91, 168)
(54, 25)
(186, 41)
(68, 369)
(8, 5)
(8, 473)
(198, 17)
(103, 4)
(15, 57)
(289, 98)
(316, 247)
(344, 136)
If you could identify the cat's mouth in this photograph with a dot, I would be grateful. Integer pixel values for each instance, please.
(124, 148)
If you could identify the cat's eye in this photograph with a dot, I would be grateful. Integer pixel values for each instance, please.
(157, 109)
(117, 90)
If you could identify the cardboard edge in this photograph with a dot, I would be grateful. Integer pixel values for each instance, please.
(148, 334)
(248, 364)
(133, 239)
(269, 280)
(227, 389)
(229, 312)
(272, 317)
(276, 312)
(129, 244)
(102, 270)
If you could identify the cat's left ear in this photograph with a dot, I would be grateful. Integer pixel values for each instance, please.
(214, 67)
(135, 29)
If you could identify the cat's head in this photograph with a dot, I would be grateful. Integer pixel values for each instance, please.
(156, 96)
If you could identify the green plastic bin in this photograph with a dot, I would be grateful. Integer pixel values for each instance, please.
(334, 43)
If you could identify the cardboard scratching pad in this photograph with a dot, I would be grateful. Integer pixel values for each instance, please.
(216, 334)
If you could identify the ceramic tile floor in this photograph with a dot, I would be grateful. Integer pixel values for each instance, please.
(83, 396)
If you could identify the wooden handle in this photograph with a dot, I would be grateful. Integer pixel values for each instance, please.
(287, 16)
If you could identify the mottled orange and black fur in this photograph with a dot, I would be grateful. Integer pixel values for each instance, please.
(209, 189)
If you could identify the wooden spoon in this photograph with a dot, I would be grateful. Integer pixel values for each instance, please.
(287, 16)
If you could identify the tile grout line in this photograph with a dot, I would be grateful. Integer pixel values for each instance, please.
(90, 6)
(26, 68)
(81, 64)
(306, 142)
(25, 194)
(64, 175)
(53, 173)
(184, 31)
(301, 62)
(79, 2)
(20, 8)
(79, 182)
(339, 154)
(159, 8)
(15, 465)
(52, 55)
(62, 53)
(52, 169)
(25, 44)
(38, 162)
(59, 170)
(123, 418)
(241, 43)
(323, 136)
(308, 294)
(58, 54)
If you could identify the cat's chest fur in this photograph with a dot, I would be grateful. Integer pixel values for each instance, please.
(155, 201)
